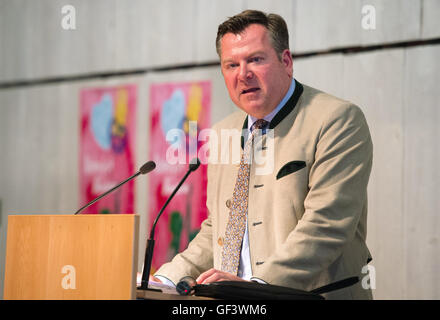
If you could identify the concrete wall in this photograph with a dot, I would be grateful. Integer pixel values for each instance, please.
(397, 89)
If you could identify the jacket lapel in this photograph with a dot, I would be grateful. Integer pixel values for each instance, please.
(283, 113)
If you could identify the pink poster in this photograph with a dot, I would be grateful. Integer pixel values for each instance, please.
(179, 111)
(107, 141)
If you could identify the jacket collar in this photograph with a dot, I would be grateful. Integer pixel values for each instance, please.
(284, 111)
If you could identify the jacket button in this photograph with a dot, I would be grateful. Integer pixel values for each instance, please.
(220, 241)
(228, 203)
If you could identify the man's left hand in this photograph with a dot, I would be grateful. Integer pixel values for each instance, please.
(213, 275)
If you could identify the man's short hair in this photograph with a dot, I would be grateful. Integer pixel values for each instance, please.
(274, 23)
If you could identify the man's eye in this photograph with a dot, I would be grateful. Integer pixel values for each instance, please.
(256, 59)
(231, 65)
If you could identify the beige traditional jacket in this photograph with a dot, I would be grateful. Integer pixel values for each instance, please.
(307, 213)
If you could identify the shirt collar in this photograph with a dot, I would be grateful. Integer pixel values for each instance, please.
(271, 115)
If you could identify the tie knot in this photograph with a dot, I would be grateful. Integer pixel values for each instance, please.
(259, 124)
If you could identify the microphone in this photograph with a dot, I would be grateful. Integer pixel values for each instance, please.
(194, 165)
(147, 167)
(185, 287)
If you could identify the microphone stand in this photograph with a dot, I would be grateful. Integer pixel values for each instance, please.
(150, 242)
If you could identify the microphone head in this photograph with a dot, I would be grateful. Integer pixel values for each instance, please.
(186, 286)
(194, 164)
(147, 167)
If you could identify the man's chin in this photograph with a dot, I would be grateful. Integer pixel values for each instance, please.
(258, 113)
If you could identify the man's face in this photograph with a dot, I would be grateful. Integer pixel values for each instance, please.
(256, 79)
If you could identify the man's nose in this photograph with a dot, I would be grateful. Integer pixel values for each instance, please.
(245, 73)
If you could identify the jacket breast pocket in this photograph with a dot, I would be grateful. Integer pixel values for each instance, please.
(290, 167)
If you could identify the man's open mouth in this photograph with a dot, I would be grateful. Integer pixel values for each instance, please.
(250, 90)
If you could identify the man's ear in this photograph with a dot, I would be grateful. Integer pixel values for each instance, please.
(286, 59)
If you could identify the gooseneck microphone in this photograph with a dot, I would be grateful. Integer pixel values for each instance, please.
(194, 165)
(147, 167)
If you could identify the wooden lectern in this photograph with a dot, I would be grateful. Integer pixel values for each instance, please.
(71, 257)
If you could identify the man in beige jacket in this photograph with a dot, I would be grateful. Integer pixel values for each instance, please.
(306, 217)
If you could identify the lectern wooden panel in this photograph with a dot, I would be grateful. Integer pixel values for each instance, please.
(71, 257)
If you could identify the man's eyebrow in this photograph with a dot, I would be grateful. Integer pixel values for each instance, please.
(253, 54)
(257, 53)
(227, 60)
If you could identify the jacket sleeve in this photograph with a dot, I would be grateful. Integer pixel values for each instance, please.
(335, 201)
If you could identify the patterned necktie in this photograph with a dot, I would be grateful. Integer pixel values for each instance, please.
(237, 216)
